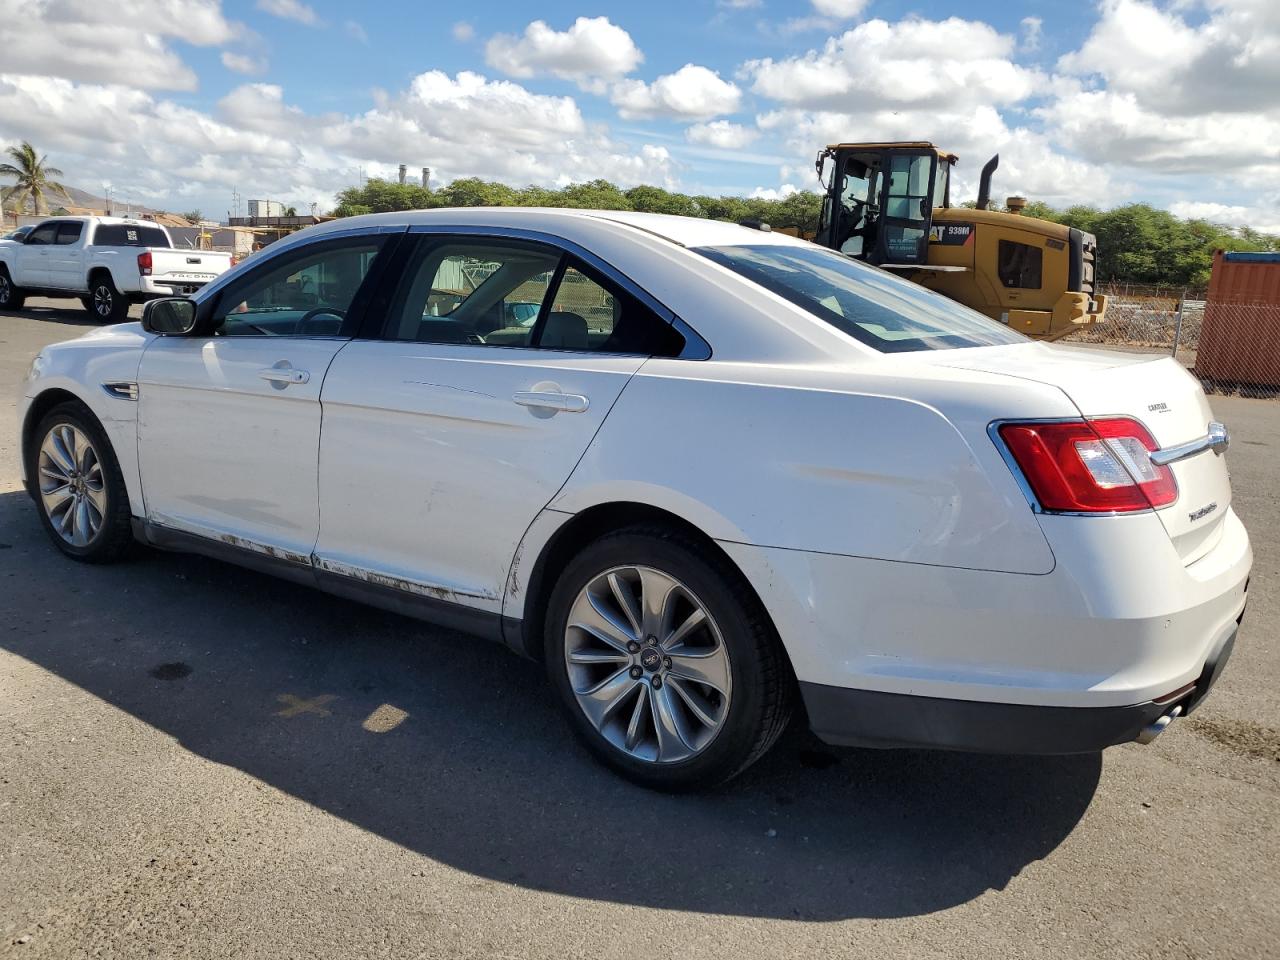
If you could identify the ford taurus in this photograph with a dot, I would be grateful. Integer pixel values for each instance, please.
(711, 476)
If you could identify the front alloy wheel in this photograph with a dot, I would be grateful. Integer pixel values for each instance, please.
(72, 485)
(647, 664)
(79, 489)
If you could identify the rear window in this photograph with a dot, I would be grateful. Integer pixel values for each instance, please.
(129, 235)
(883, 311)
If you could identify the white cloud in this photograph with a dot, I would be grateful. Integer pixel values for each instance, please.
(1230, 62)
(167, 154)
(692, 92)
(1032, 33)
(1266, 219)
(243, 63)
(770, 193)
(1155, 91)
(463, 31)
(122, 42)
(839, 9)
(721, 133)
(591, 51)
(1029, 163)
(912, 62)
(355, 31)
(290, 10)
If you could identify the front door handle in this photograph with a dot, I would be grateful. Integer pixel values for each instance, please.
(284, 375)
(558, 402)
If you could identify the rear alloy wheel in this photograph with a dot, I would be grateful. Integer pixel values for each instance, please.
(81, 494)
(647, 664)
(669, 670)
(11, 298)
(105, 301)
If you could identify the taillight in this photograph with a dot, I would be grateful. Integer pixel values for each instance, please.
(234, 261)
(1090, 466)
(144, 263)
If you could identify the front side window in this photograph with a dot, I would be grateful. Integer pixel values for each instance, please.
(872, 306)
(44, 235)
(129, 235)
(303, 293)
(1020, 265)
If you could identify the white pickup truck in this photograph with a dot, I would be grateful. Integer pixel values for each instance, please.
(105, 262)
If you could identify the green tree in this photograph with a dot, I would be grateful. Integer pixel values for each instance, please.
(195, 216)
(290, 212)
(1136, 242)
(593, 195)
(657, 200)
(474, 192)
(32, 174)
(382, 196)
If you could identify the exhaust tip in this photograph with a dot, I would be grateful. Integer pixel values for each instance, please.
(1157, 726)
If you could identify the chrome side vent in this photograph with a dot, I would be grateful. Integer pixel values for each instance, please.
(121, 389)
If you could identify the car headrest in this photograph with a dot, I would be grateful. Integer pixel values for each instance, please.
(564, 330)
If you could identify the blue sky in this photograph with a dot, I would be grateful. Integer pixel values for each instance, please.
(178, 103)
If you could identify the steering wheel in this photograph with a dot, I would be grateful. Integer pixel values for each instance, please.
(318, 312)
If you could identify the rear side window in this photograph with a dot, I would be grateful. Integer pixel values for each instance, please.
(129, 235)
(512, 293)
(69, 232)
(1020, 265)
(475, 291)
(871, 305)
(588, 313)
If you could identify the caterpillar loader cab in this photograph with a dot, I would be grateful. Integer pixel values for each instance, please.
(889, 204)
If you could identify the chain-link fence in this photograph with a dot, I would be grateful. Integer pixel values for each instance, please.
(1231, 347)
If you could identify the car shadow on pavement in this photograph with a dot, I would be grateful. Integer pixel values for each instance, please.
(454, 748)
(70, 315)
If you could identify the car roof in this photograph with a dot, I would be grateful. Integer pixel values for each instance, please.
(684, 231)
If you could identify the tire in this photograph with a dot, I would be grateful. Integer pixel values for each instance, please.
(711, 735)
(95, 491)
(11, 297)
(105, 303)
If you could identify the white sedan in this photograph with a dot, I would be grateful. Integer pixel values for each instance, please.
(708, 474)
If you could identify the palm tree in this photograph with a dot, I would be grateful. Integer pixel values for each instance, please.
(33, 178)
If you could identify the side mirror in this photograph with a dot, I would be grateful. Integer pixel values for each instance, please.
(169, 316)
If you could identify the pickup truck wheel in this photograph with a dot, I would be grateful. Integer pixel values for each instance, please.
(80, 492)
(104, 300)
(11, 298)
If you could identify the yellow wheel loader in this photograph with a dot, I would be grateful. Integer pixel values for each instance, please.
(889, 204)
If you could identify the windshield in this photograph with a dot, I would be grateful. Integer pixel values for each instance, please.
(872, 306)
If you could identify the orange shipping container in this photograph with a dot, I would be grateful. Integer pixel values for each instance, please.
(1240, 336)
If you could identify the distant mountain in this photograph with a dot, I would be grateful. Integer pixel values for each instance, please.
(83, 198)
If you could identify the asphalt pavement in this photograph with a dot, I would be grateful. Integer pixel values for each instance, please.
(200, 761)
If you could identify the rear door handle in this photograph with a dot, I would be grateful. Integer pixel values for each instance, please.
(559, 402)
(284, 375)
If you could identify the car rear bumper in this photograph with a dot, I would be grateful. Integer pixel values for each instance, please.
(153, 287)
(871, 718)
(1087, 655)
